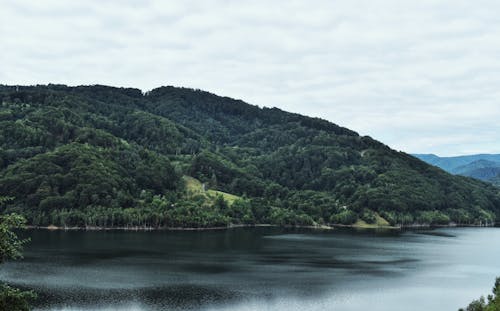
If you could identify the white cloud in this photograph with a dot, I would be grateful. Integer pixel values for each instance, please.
(421, 76)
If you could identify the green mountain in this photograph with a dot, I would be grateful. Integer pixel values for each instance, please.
(176, 157)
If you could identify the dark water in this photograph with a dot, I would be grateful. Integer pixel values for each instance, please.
(258, 269)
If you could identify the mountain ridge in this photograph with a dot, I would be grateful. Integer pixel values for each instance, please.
(485, 167)
(283, 168)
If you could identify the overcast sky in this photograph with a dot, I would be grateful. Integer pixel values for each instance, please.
(421, 76)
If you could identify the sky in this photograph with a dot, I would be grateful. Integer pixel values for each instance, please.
(421, 76)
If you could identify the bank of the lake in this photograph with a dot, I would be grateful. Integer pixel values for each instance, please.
(95, 228)
(357, 225)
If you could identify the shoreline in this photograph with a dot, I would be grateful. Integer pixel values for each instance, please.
(94, 228)
(318, 227)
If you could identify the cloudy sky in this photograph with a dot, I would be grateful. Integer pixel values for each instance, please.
(421, 76)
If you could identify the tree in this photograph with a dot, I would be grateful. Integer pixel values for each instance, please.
(492, 304)
(12, 299)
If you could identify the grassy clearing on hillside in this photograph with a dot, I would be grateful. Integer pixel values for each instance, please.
(380, 222)
(229, 198)
(195, 187)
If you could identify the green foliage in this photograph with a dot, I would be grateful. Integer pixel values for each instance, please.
(492, 303)
(12, 299)
(346, 217)
(97, 155)
(368, 216)
(10, 244)
(433, 218)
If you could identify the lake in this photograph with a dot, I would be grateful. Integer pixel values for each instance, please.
(258, 269)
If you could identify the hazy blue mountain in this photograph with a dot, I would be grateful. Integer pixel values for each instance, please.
(480, 169)
(480, 166)
(451, 164)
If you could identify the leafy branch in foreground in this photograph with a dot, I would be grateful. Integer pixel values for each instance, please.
(10, 244)
(492, 303)
(12, 299)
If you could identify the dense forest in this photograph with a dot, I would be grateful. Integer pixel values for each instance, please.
(175, 157)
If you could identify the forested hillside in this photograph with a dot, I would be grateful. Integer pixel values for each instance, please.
(175, 157)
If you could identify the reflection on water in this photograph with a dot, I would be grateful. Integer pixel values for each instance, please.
(258, 269)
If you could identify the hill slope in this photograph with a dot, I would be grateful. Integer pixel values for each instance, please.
(104, 156)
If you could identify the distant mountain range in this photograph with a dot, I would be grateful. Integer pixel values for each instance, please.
(485, 167)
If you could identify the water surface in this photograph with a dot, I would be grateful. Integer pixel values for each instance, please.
(258, 269)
